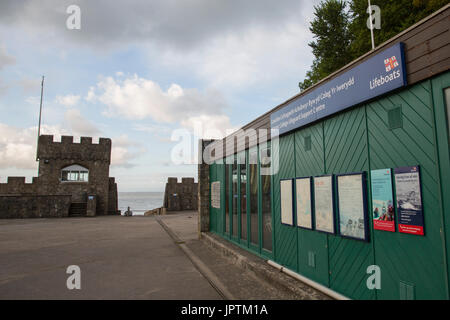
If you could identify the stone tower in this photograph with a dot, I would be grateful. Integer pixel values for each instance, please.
(78, 169)
(73, 180)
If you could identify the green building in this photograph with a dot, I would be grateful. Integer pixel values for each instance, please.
(406, 125)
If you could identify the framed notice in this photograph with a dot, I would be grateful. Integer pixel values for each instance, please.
(286, 202)
(409, 200)
(382, 200)
(352, 206)
(304, 202)
(215, 194)
(323, 204)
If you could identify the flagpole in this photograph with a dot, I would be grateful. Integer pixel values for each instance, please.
(40, 117)
(371, 26)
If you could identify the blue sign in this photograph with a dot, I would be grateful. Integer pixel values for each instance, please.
(380, 74)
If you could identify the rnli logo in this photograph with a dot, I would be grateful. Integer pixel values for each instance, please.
(390, 63)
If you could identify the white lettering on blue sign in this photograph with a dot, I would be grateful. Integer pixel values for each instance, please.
(378, 75)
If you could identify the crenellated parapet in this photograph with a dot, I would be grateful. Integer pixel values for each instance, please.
(66, 149)
(18, 185)
(180, 196)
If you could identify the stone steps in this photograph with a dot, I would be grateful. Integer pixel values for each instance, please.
(78, 209)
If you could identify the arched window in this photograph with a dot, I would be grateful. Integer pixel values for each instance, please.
(75, 173)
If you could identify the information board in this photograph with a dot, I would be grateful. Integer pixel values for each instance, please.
(352, 206)
(215, 194)
(303, 199)
(323, 204)
(286, 202)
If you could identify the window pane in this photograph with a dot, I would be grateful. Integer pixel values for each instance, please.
(235, 198)
(243, 173)
(227, 198)
(84, 176)
(266, 201)
(73, 176)
(253, 167)
(74, 173)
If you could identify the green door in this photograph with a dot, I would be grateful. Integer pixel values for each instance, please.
(312, 245)
(441, 100)
(402, 132)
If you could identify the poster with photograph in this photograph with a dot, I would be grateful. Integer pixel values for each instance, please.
(409, 200)
(286, 202)
(352, 206)
(303, 195)
(382, 200)
(323, 201)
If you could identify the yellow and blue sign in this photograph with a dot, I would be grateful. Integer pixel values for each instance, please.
(378, 75)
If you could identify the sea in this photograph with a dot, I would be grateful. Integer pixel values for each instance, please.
(139, 202)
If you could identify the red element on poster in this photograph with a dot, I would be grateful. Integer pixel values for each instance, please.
(384, 225)
(411, 229)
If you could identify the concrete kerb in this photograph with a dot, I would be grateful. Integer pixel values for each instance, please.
(262, 270)
(201, 267)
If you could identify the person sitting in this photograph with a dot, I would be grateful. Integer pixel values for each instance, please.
(128, 213)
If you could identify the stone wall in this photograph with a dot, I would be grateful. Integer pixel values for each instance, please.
(203, 189)
(181, 196)
(113, 198)
(32, 206)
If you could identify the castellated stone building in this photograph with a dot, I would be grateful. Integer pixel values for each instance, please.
(73, 180)
(181, 196)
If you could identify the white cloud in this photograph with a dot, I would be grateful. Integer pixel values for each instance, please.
(209, 126)
(69, 100)
(5, 58)
(18, 145)
(176, 24)
(154, 128)
(79, 125)
(3, 88)
(124, 151)
(160, 132)
(33, 100)
(139, 98)
(30, 85)
(257, 56)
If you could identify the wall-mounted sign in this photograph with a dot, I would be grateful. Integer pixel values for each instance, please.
(323, 204)
(215, 194)
(352, 206)
(380, 74)
(409, 200)
(286, 202)
(303, 198)
(382, 200)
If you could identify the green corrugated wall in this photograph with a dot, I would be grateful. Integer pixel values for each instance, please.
(361, 140)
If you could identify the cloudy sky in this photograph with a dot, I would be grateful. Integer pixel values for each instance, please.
(143, 73)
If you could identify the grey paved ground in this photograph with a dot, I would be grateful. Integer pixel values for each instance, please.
(119, 257)
(241, 283)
